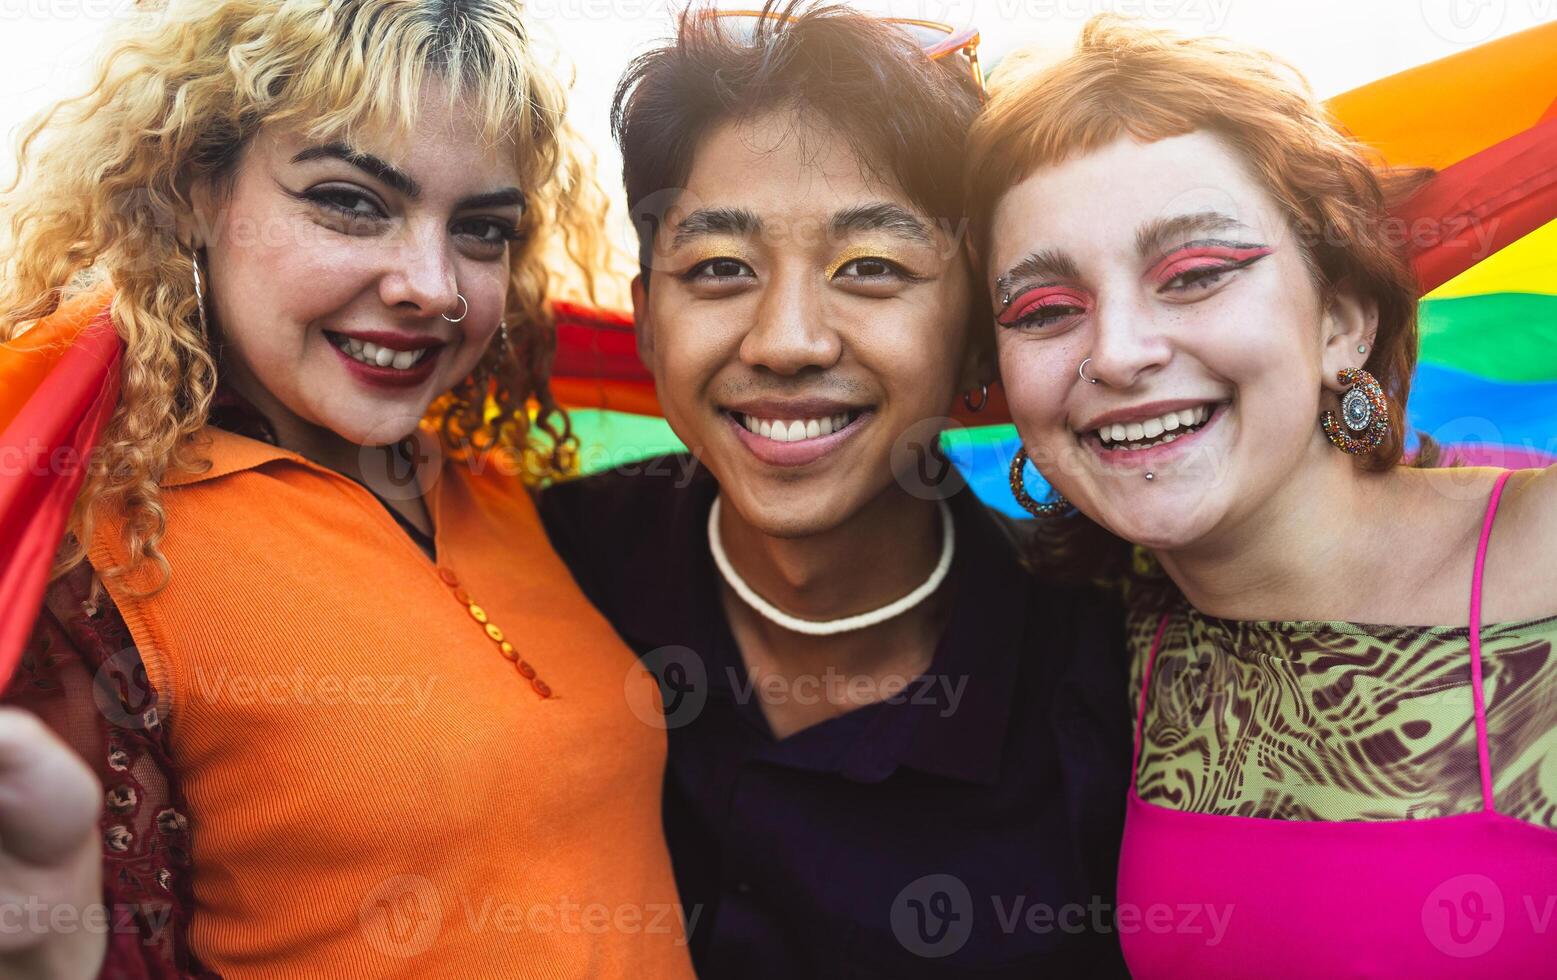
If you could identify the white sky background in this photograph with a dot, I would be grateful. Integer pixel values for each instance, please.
(46, 46)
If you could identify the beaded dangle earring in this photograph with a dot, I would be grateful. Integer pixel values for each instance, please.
(1058, 505)
(489, 367)
(1364, 420)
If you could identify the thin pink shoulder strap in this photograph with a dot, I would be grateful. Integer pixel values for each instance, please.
(1483, 755)
(1146, 683)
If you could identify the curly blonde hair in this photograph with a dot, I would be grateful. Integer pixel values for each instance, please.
(103, 182)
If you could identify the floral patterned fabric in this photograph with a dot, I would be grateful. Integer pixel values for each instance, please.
(83, 676)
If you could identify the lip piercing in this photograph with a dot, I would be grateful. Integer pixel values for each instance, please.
(1082, 370)
(1150, 477)
(464, 310)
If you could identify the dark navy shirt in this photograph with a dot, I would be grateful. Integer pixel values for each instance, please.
(968, 827)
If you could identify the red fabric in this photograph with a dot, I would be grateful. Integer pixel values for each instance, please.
(595, 343)
(1483, 203)
(42, 455)
(597, 362)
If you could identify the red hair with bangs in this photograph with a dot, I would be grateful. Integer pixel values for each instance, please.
(1124, 79)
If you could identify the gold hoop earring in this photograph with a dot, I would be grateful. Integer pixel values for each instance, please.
(194, 264)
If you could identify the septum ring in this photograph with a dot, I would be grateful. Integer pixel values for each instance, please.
(1082, 370)
(464, 310)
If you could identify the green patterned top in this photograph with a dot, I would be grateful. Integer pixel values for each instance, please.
(1343, 721)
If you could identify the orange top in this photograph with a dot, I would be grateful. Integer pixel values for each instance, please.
(374, 788)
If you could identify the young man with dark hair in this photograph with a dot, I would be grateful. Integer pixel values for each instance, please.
(894, 750)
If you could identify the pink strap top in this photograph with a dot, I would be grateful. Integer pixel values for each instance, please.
(1209, 895)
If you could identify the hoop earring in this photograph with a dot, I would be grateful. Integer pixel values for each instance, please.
(194, 264)
(1019, 490)
(1364, 412)
(464, 310)
(967, 399)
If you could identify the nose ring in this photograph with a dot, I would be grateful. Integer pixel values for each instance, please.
(1082, 370)
(464, 310)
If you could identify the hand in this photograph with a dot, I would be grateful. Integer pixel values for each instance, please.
(50, 856)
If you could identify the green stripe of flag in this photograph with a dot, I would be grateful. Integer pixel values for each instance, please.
(1499, 336)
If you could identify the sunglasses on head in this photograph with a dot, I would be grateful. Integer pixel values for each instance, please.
(936, 40)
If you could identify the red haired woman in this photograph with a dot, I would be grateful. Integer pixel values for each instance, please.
(350, 713)
(1347, 739)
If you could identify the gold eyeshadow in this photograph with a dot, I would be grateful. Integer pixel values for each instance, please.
(875, 251)
(727, 248)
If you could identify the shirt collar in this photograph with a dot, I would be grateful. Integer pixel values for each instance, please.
(227, 453)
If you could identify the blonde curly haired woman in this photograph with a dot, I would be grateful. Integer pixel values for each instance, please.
(346, 724)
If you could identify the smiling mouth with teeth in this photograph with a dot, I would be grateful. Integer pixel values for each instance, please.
(1150, 433)
(375, 355)
(796, 430)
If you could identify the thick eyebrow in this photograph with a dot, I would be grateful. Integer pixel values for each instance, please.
(1047, 263)
(883, 216)
(1152, 237)
(1156, 236)
(404, 182)
(366, 162)
(715, 221)
(505, 198)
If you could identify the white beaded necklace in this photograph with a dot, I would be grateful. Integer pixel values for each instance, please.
(832, 627)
